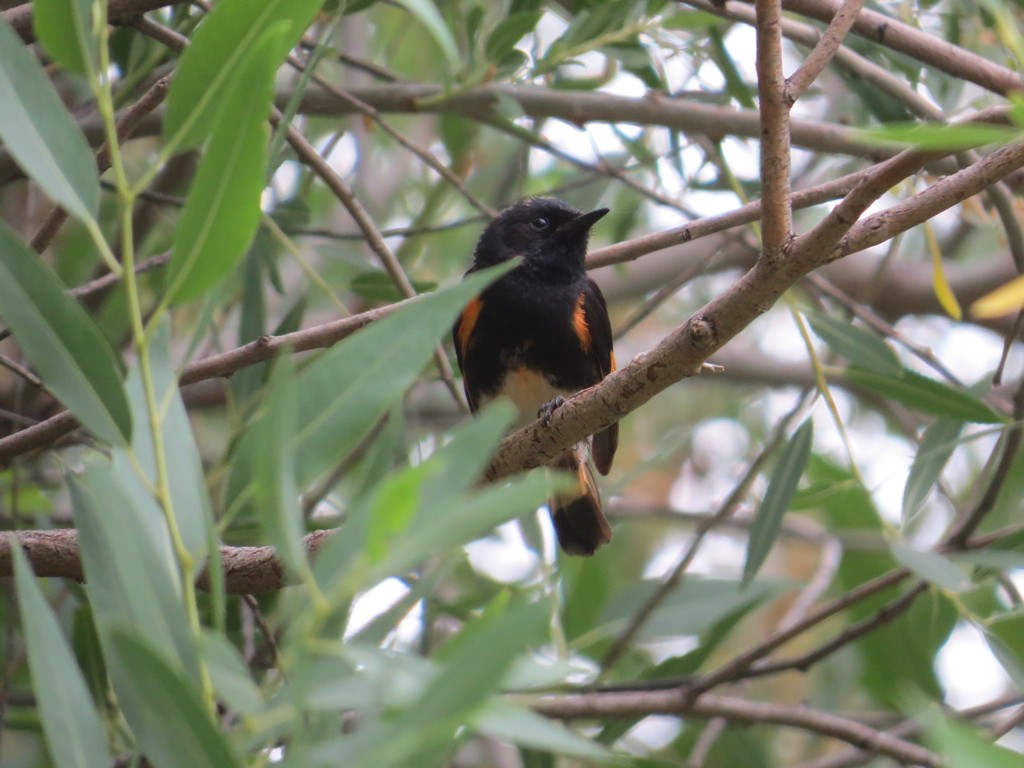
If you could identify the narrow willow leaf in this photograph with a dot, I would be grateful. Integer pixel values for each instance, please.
(74, 732)
(130, 579)
(1002, 301)
(937, 444)
(940, 283)
(444, 529)
(1004, 635)
(509, 722)
(347, 390)
(189, 495)
(222, 211)
(40, 134)
(163, 708)
(996, 559)
(931, 567)
(64, 27)
(274, 461)
(209, 67)
(925, 394)
(231, 678)
(781, 487)
(70, 353)
(478, 658)
(693, 609)
(939, 137)
(510, 31)
(860, 347)
(962, 747)
(427, 14)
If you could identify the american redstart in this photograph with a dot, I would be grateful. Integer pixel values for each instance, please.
(541, 333)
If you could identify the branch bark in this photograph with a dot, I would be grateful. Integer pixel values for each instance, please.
(118, 12)
(776, 209)
(602, 705)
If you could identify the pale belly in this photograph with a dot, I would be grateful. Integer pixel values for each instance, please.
(528, 391)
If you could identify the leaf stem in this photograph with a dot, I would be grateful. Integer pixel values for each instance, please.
(101, 87)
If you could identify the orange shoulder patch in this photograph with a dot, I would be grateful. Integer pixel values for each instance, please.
(579, 323)
(468, 322)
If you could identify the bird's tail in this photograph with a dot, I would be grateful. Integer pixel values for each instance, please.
(580, 524)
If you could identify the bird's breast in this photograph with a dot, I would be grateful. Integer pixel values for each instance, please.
(528, 390)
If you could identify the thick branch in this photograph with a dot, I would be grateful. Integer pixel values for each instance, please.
(776, 211)
(247, 570)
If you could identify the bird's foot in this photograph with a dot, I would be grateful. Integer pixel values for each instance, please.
(545, 411)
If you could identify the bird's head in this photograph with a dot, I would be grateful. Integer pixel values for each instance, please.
(545, 232)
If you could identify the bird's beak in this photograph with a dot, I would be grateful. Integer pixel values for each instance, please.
(582, 223)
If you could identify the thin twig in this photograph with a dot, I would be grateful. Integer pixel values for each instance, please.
(604, 705)
(823, 52)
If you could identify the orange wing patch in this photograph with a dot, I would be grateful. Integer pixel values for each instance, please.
(614, 365)
(579, 323)
(468, 322)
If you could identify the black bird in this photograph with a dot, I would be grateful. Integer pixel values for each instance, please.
(541, 333)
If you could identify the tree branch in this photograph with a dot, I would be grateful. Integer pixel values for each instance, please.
(894, 34)
(603, 705)
(823, 51)
(118, 12)
(776, 210)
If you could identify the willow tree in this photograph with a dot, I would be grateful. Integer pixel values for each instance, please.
(262, 524)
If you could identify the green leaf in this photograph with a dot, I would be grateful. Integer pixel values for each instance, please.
(347, 390)
(781, 487)
(72, 45)
(189, 496)
(222, 212)
(477, 659)
(1005, 638)
(231, 678)
(862, 348)
(41, 136)
(72, 357)
(938, 136)
(277, 497)
(209, 67)
(996, 559)
(962, 747)
(74, 732)
(925, 394)
(517, 725)
(173, 728)
(937, 444)
(427, 14)
(510, 31)
(691, 609)
(394, 507)
(378, 286)
(129, 566)
(467, 452)
(692, 20)
(931, 567)
(443, 529)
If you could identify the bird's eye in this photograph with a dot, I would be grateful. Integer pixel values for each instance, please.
(539, 224)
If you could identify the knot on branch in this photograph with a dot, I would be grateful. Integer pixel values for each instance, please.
(702, 333)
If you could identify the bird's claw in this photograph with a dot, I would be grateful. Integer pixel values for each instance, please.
(545, 411)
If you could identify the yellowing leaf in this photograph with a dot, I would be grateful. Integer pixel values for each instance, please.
(940, 283)
(1002, 301)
